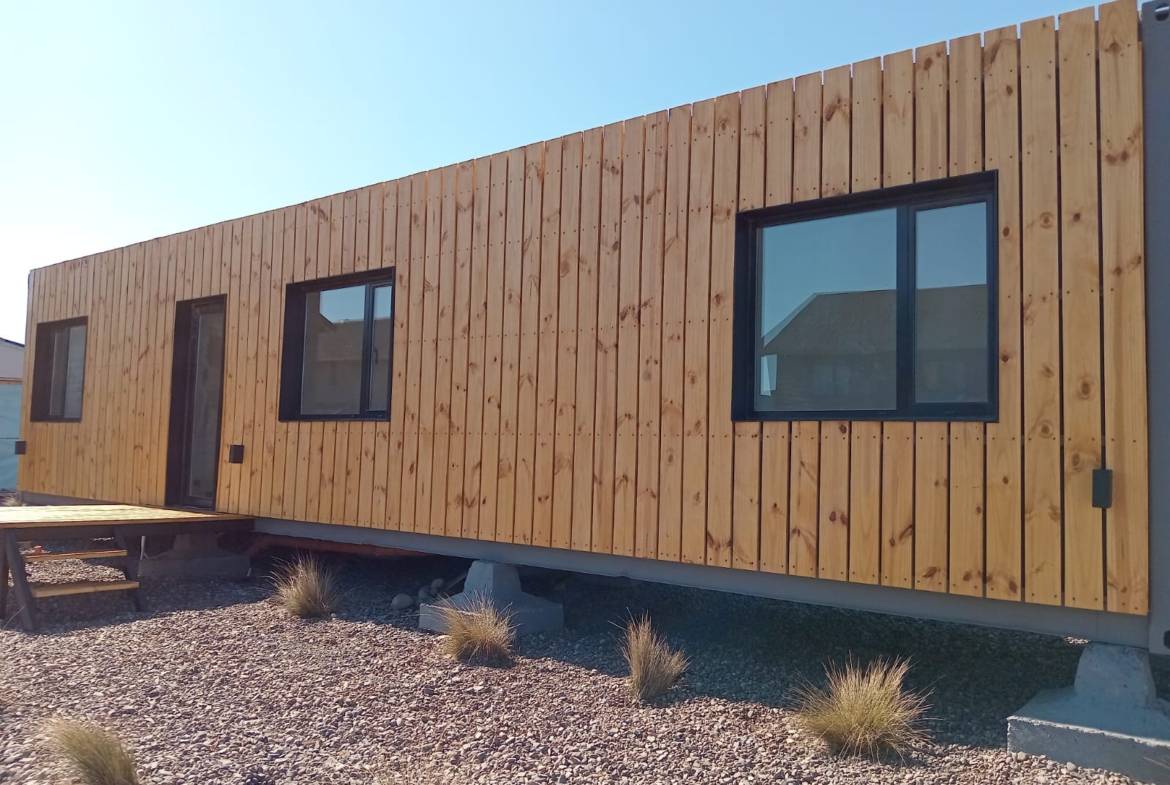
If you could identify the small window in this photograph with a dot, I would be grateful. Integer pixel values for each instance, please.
(59, 371)
(339, 338)
(872, 306)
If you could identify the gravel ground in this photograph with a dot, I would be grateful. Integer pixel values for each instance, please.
(216, 684)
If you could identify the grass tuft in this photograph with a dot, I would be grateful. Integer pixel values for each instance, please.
(864, 711)
(478, 633)
(654, 666)
(96, 756)
(307, 589)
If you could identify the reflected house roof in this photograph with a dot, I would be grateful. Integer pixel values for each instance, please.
(339, 341)
(842, 323)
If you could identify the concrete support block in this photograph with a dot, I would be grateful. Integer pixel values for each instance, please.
(500, 584)
(1111, 718)
(195, 556)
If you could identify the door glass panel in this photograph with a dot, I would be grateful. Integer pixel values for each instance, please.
(206, 383)
(827, 322)
(381, 348)
(951, 304)
(334, 331)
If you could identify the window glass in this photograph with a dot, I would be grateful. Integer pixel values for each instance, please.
(60, 391)
(74, 371)
(951, 304)
(383, 316)
(332, 361)
(826, 336)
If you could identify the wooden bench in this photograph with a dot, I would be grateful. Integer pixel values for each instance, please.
(125, 524)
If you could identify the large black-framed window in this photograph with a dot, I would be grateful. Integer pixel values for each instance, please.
(338, 348)
(59, 371)
(879, 305)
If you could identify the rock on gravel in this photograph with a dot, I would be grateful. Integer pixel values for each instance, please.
(217, 684)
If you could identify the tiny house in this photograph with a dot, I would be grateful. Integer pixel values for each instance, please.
(874, 336)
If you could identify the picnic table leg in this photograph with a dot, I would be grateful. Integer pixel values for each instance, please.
(26, 607)
(130, 563)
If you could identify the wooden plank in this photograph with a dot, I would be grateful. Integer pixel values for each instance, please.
(368, 253)
(695, 338)
(627, 281)
(1004, 521)
(383, 240)
(359, 470)
(566, 349)
(1043, 510)
(931, 466)
(349, 435)
(293, 262)
(1124, 312)
(402, 450)
(966, 492)
(528, 359)
(774, 469)
(833, 506)
(745, 508)
(145, 261)
(897, 559)
(283, 453)
(674, 324)
(322, 436)
(649, 383)
(546, 353)
(429, 313)
(720, 433)
(605, 422)
(461, 316)
(514, 239)
(586, 352)
(306, 254)
(440, 462)
(133, 367)
(251, 273)
(261, 443)
(865, 448)
(45, 590)
(162, 408)
(804, 459)
(1080, 276)
(477, 344)
(493, 347)
(144, 361)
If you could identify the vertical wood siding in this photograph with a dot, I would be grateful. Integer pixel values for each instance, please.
(563, 326)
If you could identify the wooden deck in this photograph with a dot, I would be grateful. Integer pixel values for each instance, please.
(73, 515)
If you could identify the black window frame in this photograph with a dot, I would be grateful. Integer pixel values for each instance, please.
(292, 361)
(42, 381)
(907, 200)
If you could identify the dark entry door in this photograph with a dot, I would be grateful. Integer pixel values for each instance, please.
(196, 402)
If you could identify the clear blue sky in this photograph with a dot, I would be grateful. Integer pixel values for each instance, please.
(124, 121)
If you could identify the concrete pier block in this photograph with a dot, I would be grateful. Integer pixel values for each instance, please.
(500, 584)
(195, 556)
(1111, 718)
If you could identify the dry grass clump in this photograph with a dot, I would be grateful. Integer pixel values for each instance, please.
(478, 633)
(654, 666)
(864, 711)
(307, 589)
(96, 756)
